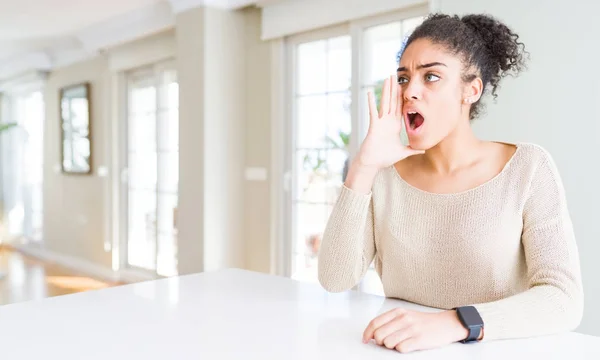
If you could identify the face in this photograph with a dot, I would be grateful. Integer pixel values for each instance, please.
(433, 93)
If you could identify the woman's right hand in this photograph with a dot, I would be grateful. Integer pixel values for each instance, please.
(382, 146)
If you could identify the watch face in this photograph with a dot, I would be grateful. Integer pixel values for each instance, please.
(471, 316)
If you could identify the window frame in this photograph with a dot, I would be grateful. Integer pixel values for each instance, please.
(284, 162)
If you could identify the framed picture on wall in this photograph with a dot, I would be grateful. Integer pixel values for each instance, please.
(75, 125)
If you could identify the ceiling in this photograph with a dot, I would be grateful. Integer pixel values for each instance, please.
(56, 32)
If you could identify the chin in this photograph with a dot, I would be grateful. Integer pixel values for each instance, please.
(420, 143)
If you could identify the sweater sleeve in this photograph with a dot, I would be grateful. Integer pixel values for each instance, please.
(348, 244)
(553, 302)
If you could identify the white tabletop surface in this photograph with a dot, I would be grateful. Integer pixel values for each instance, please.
(232, 314)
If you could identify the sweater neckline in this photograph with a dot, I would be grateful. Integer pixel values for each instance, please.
(486, 183)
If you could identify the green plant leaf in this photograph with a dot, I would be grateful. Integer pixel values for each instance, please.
(345, 137)
(378, 88)
(341, 142)
(4, 127)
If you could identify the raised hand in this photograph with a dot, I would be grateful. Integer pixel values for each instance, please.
(382, 146)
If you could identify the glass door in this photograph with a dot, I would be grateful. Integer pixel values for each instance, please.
(320, 143)
(23, 165)
(152, 169)
(331, 72)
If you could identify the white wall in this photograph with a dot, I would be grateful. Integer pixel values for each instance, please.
(555, 104)
(211, 65)
(190, 61)
(224, 136)
(257, 225)
(75, 206)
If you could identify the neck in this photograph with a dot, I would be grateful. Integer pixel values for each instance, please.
(456, 151)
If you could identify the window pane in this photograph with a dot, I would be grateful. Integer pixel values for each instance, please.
(311, 172)
(167, 235)
(169, 172)
(311, 121)
(337, 166)
(167, 203)
(142, 132)
(142, 228)
(310, 220)
(142, 100)
(142, 170)
(168, 123)
(339, 66)
(319, 174)
(381, 44)
(167, 255)
(312, 68)
(36, 198)
(338, 120)
(169, 93)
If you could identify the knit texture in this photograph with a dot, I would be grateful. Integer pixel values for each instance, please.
(506, 247)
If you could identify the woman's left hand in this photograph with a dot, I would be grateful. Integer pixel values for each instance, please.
(407, 330)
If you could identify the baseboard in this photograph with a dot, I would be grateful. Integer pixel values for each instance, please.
(82, 266)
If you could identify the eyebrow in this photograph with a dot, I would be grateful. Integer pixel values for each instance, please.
(403, 68)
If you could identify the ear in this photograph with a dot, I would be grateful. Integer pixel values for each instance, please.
(472, 91)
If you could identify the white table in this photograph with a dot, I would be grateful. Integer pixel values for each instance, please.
(231, 314)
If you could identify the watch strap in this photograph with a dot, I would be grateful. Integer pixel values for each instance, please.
(474, 330)
(473, 336)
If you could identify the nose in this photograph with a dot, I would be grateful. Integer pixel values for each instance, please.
(412, 90)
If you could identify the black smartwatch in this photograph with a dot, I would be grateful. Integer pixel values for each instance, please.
(469, 317)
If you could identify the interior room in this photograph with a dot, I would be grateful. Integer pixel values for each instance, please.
(152, 139)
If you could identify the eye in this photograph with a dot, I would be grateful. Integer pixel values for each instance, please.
(402, 80)
(432, 77)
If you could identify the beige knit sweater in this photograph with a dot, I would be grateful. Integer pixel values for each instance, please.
(507, 246)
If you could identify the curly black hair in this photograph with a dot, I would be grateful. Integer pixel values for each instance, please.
(489, 49)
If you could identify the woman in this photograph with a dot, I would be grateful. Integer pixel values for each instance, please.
(477, 228)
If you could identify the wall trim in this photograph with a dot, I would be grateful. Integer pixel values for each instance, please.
(127, 27)
(26, 82)
(154, 49)
(16, 67)
(279, 265)
(179, 6)
(292, 17)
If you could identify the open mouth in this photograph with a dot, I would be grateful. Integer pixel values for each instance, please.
(415, 120)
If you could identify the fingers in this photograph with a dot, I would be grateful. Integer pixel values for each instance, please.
(384, 106)
(393, 96)
(379, 321)
(399, 102)
(408, 345)
(398, 326)
(390, 102)
(395, 339)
